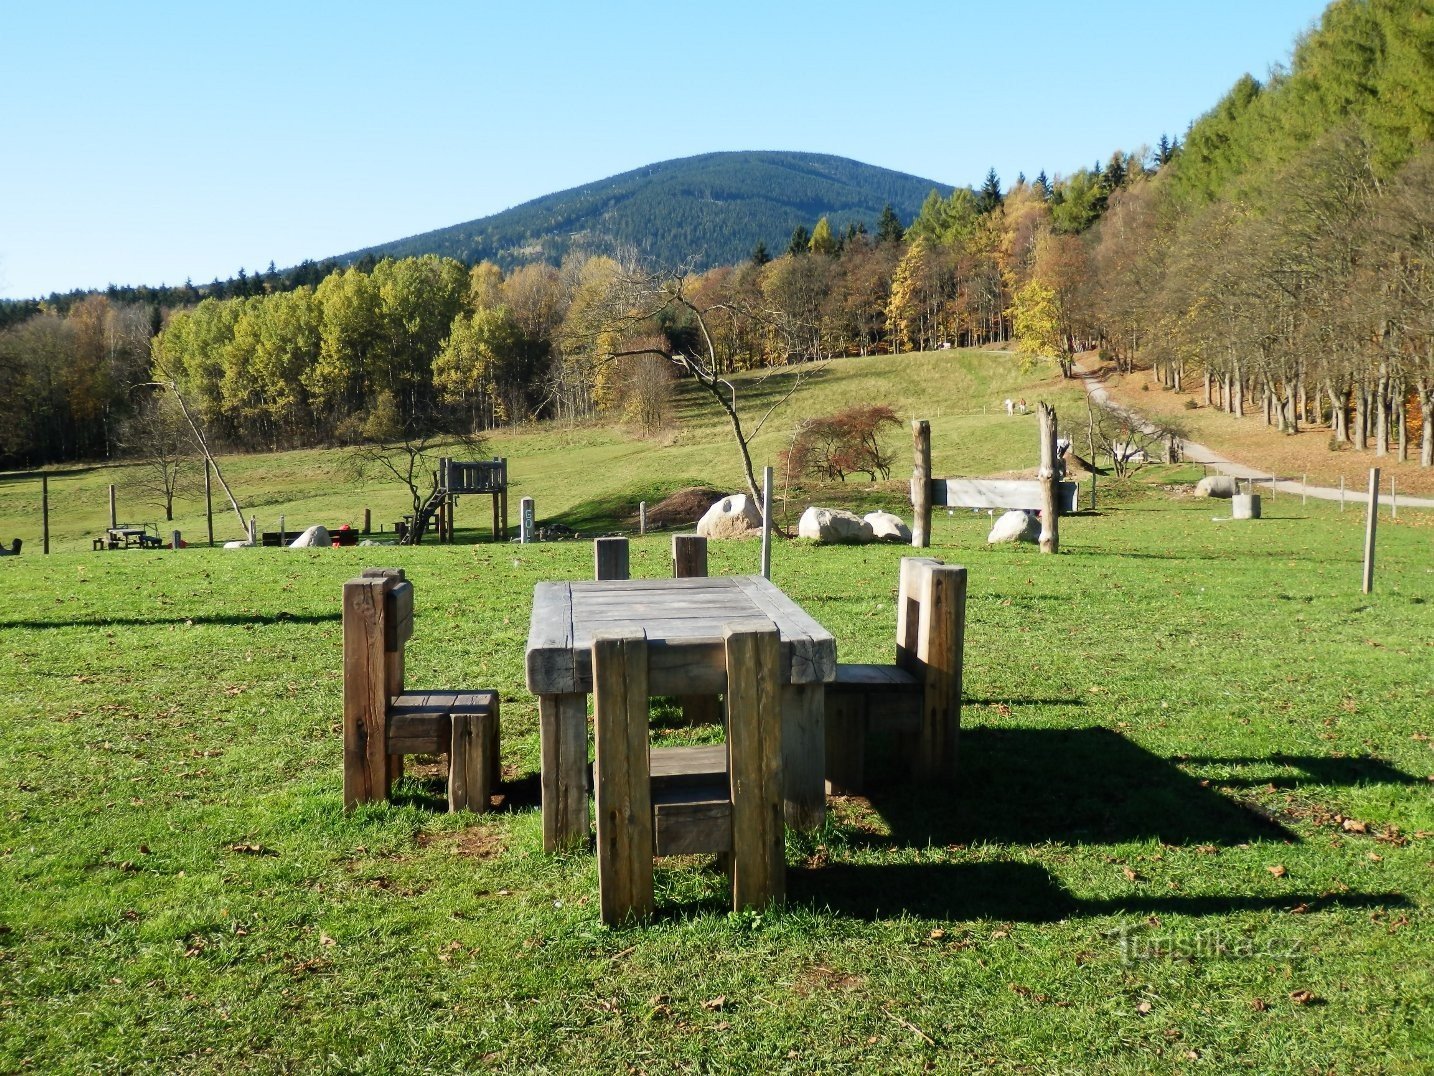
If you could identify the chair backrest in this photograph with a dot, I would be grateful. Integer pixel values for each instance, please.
(610, 558)
(930, 643)
(689, 556)
(750, 655)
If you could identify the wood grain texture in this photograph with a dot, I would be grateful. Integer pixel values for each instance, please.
(563, 731)
(908, 608)
(689, 556)
(625, 840)
(610, 558)
(943, 610)
(755, 736)
(804, 755)
(365, 694)
(920, 483)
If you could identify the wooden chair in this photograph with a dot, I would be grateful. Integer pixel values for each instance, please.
(383, 722)
(915, 702)
(725, 800)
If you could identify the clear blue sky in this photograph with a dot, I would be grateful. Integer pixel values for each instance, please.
(150, 142)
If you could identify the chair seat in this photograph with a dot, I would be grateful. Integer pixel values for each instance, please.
(420, 722)
(874, 677)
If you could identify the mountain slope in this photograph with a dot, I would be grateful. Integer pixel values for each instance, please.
(715, 208)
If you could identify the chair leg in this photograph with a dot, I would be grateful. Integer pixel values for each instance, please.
(846, 728)
(754, 761)
(621, 778)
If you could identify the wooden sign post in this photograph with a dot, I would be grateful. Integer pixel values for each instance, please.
(1050, 505)
(921, 483)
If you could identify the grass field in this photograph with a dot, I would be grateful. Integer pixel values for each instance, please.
(1194, 828)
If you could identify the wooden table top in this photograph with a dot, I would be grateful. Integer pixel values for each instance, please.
(566, 616)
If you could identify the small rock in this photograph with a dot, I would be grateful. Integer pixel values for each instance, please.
(315, 537)
(1016, 527)
(834, 525)
(1217, 485)
(887, 527)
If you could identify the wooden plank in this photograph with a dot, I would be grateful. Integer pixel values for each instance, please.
(1009, 493)
(610, 558)
(943, 607)
(400, 615)
(550, 653)
(689, 556)
(470, 771)
(697, 828)
(867, 678)
(845, 741)
(366, 767)
(625, 840)
(418, 732)
(755, 752)
(563, 732)
(810, 648)
(678, 766)
(804, 755)
(908, 608)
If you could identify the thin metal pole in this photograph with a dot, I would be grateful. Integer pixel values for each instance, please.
(1341, 493)
(766, 523)
(1369, 525)
(45, 512)
(1393, 500)
(209, 501)
(1304, 491)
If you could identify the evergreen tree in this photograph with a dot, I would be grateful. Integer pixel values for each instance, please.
(1044, 184)
(989, 197)
(760, 255)
(888, 226)
(801, 240)
(822, 241)
(1163, 152)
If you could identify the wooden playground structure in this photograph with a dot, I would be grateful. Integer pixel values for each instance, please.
(456, 478)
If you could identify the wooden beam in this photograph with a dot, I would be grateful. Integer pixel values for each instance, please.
(1050, 505)
(940, 650)
(610, 558)
(365, 692)
(621, 780)
(921, 483)
(755, 766)
(563, 732)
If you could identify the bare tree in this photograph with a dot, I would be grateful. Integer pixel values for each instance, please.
(1129, 439)
(162, 444)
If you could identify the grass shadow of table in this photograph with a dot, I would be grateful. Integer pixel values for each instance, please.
(1074, 786)
(1016, 892)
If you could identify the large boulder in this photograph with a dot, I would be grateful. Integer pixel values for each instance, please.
(239, 543)
(315, 537)
(833, 525)
(1217, 485)
(736, 516)
(1016, 527)
(887, 527)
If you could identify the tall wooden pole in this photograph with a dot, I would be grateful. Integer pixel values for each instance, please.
(766, 523)
(1369, 529)
(45, 512)
(1050, 504)
(114, 519)
(921, 483)
(209, 502)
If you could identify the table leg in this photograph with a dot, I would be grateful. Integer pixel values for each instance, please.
(804, 755)
(564, 732)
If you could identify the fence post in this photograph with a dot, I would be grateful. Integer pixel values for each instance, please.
(525, 521)
(174, 540)
(1050, 510)
(208, 503)
(610, 558)
(1393, 500)
(114, 519)
(367, 520)
(921, 483)
(641, 518)
(1369, 529)
(689, 556)
(45, 512)
(766, 523)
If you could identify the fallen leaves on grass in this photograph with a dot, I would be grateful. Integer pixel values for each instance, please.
(1278, 870)
(1132, 875)
(1305, 997)
(1354, 825)
(1259, 1004)
(244, 848)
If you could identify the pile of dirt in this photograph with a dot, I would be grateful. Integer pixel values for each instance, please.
(683, 508)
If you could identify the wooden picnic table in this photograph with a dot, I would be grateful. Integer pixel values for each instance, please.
(565, 618)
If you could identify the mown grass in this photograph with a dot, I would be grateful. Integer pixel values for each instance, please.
(1155, 719)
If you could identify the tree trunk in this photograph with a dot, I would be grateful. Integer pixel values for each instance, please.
(1361, 416)
(1208, 401)
(1401, 415)
(1267, 402)
(1338, 417)
(1238, 406)
(1381, 413)
(1426, 421)
(1050, 512)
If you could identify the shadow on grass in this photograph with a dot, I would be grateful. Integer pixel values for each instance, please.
(1316, 770)
(1015, 892)
(151, 621)
(1075, 786)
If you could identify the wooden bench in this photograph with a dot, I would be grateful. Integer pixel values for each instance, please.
(383, 721)
(915, 702)
(678, 801)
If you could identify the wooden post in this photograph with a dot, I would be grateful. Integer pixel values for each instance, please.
(689, 556)
(641, 519)
(563, 739)
(689, 561)
(1369, 524)
(1393, 500)
(209, 502)
(1050, 502)
(174, 540)
(496, 528)
(525, 521)
(365, 622)
(1341, 493)
(503, 502)
(921, 483)
(940, 650)
(754, 760)
(45, 512)
(367, 521)
(114, 517)
(766, 523)
(610, 558)
(621, 777)
(283, 532)
(253, 531)
(1092, 485)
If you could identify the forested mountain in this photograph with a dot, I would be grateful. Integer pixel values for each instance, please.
(712, 209)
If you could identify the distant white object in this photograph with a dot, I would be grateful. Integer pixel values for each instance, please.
(887, 527)
(1217, 485)
(1010, 406)
(1245, 506)
(238, 544)
(736, 516)
(315, 537)
(834, 525)
(1016, 527)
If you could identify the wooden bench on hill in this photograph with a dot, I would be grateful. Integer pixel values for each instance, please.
(383, 721)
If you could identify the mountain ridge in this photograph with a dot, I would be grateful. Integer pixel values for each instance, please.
(713, 207)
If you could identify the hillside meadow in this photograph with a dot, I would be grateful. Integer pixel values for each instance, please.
(1192, 830)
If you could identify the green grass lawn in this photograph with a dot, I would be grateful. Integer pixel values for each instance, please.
(1194, 827)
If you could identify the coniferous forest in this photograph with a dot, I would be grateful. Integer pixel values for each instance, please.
(1277, 257)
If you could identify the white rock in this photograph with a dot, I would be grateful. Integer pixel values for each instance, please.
(887, 527)
(731, 517)
(834, 525)
(315, 537)
(240, 543)
(1016, 527)
(1217, 485)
